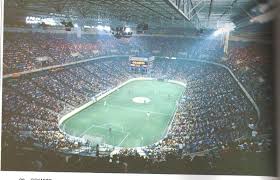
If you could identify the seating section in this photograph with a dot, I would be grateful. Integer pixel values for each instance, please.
(213, 115)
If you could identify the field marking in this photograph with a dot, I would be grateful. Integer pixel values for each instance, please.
(126, 108)
(123, 139)
(137, 110)
(83, 133)
(117, 126)
(97, 126)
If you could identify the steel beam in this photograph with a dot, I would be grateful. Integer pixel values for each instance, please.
(177, 8)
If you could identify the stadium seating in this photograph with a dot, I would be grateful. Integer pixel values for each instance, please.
(213, 113)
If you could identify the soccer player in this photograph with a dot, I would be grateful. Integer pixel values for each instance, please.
(148, 115)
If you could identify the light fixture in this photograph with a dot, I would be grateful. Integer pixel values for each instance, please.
(127, 30)
(106, 28)
(224, 29)
(101, 28)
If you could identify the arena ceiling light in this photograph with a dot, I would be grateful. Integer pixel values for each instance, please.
(224, 29)
(106, 28)
(99, 28)
(32, 20)
(49, 21)
(39, 20)
(86, 26)
(103, 28)
(127, 29)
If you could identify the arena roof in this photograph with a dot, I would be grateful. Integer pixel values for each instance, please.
(196, 14)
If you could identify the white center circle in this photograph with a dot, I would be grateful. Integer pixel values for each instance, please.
(141, 100)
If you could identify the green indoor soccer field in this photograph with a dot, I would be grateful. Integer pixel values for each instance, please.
(135, 115)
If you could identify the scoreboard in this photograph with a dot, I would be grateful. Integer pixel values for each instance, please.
(140, 64)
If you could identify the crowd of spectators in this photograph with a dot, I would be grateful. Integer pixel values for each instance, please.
(214, 114)
(252, 63)
(27, 51)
